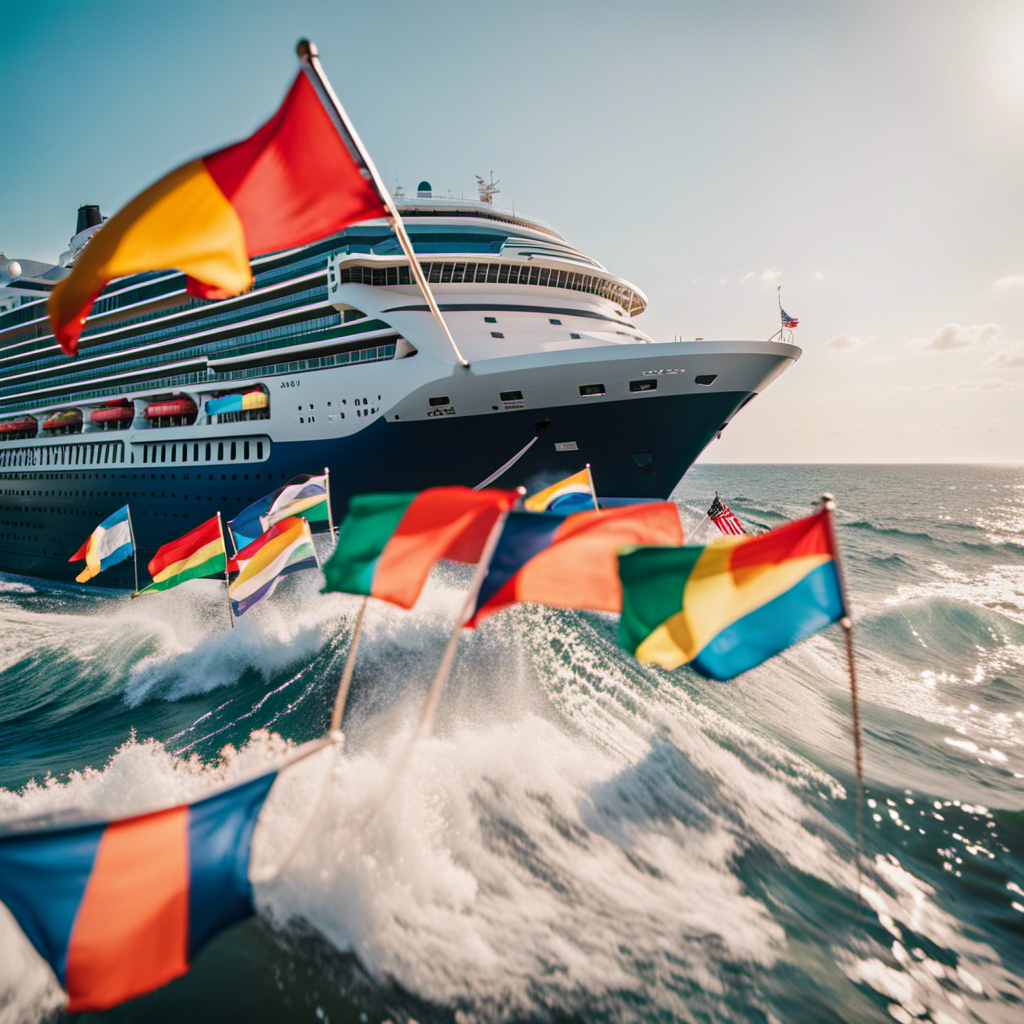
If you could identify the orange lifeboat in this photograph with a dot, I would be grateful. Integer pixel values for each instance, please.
(175, 408)
(18, 428)
(113, 412)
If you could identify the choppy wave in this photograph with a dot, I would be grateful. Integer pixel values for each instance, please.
(582, 837)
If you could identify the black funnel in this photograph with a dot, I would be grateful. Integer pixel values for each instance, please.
(88, 217)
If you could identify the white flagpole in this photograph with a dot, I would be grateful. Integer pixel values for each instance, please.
(593, 490)
(227, 580)
(327, 484)
(341, 698)
(828, 504)
(310, 60)
(135, 552)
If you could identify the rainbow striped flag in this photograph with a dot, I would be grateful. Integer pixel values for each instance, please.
(285, 548)
(200, 552)
(727, 607)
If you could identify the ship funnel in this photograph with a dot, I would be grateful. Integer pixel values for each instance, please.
(88, 217)
(424, 191)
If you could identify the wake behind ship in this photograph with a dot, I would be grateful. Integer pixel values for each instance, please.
(183, 407)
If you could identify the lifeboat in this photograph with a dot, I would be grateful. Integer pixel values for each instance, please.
(171, 408)
(17, 428)
(66, 420)
(113, 412)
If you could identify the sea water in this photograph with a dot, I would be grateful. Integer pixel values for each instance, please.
(581, 837)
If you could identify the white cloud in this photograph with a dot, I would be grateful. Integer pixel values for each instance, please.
(762, 275)
(980, 385)
(954, 336)
(844, 341)
(1009, 357)
(1010, 281)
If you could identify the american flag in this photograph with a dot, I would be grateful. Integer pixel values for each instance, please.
(787, 320)
(724, 518)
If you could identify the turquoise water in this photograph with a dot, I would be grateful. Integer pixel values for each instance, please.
(582, 838)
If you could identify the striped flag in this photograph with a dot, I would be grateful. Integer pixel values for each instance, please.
(724, 518)
(285, 548)
(388, 543)
(120, 907)
(200, 552)
(731, 605)
(787, 320)
(573, 494)
(110, 543)
(294, 181)
(306, 496)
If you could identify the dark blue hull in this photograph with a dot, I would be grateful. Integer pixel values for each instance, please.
(635, 448)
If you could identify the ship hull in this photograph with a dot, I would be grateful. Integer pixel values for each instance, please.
(636, 449)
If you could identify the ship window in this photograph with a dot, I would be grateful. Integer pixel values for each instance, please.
(497, 334)
(643, 385)
(163, 453)
(184, 453)
(245, 450)
(490, 319)
(195, 453)
(234, 449)
(259, 449)
(573, 335)
(550, 321)
(492, 273)
(440, 400)
(220, 452)
(591, 389)
(511, 396)
(207, 451)
(707, 379)
(544, 275)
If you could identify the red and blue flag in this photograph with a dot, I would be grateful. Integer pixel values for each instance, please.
(118, 908)
(570, 561)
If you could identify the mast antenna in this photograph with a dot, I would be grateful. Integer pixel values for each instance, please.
(488, 189)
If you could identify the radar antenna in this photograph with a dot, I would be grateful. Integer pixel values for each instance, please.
(488, 189)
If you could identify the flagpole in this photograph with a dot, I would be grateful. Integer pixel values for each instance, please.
(308, 56)
(135, 553)
(828, 505)
(327, 484)
(341, 698)
(593, 490)
(427, 714)
(444, 669)
(227, 580)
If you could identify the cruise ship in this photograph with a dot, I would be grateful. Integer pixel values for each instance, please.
(182, 407)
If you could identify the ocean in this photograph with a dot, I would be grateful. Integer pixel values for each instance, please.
(581, 838)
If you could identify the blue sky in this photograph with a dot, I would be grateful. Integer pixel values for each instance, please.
(866, 156)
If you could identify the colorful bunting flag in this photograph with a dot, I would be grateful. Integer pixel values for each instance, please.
(388, 543)
(570, 561)
(111, 542)
(727, 607)
(200, 552)
(118, 908)
(295, 180)
(285, 548)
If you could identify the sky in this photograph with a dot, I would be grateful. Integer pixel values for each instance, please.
(866, 157)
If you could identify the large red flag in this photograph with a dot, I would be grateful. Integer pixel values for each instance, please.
(293, 181)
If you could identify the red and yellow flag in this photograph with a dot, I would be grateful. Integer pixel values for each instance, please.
(290, 183)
